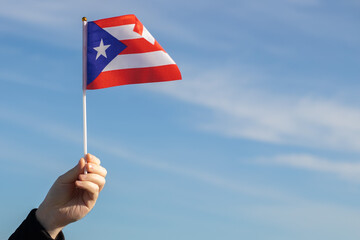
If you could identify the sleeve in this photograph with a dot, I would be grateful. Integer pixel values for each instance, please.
(31, 228)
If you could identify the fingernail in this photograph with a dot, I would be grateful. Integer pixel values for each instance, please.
(90, 166)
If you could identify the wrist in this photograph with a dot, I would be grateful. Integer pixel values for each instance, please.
(47, 219)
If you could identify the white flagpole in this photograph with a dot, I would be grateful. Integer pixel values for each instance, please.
(84, 67)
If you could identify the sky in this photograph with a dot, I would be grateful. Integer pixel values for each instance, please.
(259, 140)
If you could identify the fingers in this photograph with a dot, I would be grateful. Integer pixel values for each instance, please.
(92, 165)
(72, 174)
(92, 159)
(92, 182)
(94, 178)
(87, 185)
(96, 173)
(97, 169)
(90, 187)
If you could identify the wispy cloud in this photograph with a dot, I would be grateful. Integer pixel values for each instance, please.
(60, 19)
(308, 17)
(38, 124)
(45, 13)
(65, 133)
(349, 170)
(212, 179)
(306, 221)
(17, 78)
(240, 107)
(21, 161)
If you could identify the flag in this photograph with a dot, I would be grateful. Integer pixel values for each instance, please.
(120, 51)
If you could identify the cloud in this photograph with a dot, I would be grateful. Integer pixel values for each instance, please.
(241, 107)
(60, 19)
(64, 133)
(342, 169)
(44, 13)
(22, 79)
(212, 179)
(306, 221)
(21, 161)
(326, 20)
(38, 124)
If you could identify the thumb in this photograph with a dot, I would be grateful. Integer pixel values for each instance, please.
(72, 174)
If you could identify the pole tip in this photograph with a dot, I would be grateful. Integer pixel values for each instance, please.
(84, 19)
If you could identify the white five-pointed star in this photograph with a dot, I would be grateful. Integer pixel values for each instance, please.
(101, 50)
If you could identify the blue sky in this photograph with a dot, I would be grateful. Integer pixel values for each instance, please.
(260, 140)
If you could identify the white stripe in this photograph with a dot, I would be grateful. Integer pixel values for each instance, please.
(126, 32)
(139, 60)
(147, 35)
(123, 32)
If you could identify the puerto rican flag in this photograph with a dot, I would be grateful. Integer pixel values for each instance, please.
(120, 51)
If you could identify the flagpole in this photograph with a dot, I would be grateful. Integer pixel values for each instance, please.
(84, 67)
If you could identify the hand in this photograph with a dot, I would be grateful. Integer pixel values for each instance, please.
(72, 196)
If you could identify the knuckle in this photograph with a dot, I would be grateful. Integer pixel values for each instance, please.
(82, 176)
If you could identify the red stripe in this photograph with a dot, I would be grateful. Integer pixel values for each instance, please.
(121, 20)
(140, 45)
(136, 75)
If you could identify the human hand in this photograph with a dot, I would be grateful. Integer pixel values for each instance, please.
(72, 196)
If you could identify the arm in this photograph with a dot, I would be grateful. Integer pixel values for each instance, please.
(71, 197)
(31, 228)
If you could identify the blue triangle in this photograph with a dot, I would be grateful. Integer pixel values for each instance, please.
(95, 66)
